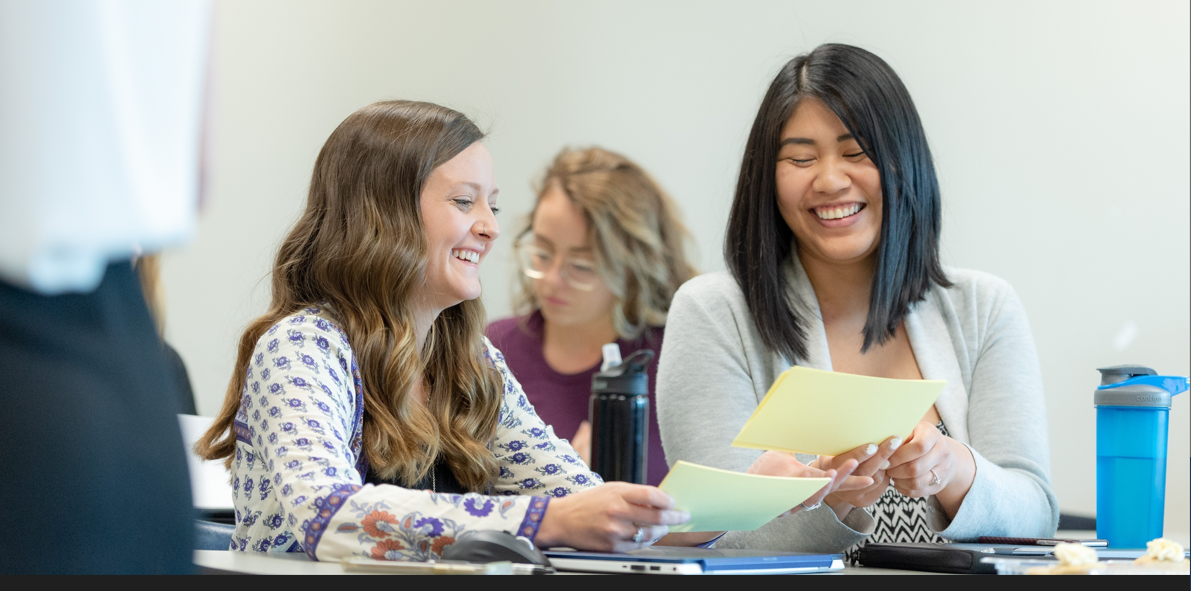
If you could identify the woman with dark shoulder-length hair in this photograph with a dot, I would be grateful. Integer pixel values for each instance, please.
(832, 247)
(367, 414)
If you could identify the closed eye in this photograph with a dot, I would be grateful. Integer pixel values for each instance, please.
(464, 204)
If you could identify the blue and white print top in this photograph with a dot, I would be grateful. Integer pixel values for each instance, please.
(297, 471)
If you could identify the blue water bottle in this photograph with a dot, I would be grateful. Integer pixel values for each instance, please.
(1132, 416)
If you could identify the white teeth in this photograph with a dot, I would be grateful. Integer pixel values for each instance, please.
(466, 255)
(837, 212)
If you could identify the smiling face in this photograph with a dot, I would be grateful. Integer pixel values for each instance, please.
(828, 190)
(560, 229)
(458, 205)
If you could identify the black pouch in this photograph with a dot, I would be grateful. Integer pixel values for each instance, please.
(936, 558)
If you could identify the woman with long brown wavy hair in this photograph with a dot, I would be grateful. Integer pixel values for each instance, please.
(367, 414)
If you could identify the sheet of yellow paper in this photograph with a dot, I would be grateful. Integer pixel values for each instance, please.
(721, 500)
(828, 413)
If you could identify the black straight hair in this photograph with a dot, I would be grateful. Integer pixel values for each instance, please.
(871, 101)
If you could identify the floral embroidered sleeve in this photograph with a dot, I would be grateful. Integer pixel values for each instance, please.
(533, 460)
(297, 466)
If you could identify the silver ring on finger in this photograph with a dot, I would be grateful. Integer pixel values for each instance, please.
(936, 479)
(639, 536)
(812, 507)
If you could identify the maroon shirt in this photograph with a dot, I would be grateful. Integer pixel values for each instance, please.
(561, 399)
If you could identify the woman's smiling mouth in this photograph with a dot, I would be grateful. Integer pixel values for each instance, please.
(467, 256)
(838, 211)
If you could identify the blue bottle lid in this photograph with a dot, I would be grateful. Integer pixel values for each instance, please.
(1135, 385)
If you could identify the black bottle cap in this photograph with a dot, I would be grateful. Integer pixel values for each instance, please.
(628, 378)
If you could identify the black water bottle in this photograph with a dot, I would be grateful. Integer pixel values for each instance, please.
(620, 419)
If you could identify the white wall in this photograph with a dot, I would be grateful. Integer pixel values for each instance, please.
(1060, 131)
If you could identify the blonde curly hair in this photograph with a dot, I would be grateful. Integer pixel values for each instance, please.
(636, 232)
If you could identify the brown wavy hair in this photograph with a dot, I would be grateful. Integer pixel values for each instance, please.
(360, 247)
(637, 235)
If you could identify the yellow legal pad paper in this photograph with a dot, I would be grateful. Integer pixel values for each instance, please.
(720, 500)
(828, 413)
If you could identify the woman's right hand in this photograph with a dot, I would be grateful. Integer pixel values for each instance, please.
(606, 518)
(873, 462)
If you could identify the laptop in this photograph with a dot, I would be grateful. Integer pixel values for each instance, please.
(210, 484)
(664, 560)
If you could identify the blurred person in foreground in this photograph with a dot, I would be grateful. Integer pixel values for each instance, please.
(600, 259)
(101, 110)
(148, 271)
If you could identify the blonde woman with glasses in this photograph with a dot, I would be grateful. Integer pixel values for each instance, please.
(600, 260)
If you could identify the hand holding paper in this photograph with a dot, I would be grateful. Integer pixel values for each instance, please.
(721, 500)
(828, 413)
(808, 411)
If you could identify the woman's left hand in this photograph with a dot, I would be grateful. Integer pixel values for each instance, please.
(930, 463)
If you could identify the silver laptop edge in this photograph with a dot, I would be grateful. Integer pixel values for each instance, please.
(680, 568)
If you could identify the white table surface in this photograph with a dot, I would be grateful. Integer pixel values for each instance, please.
(228, 562)
(224, 562)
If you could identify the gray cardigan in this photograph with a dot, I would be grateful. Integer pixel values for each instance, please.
(714, 370)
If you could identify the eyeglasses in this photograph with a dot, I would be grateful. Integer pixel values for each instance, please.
(537, 262)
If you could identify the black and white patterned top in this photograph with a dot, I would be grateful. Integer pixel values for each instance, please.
(900, 519)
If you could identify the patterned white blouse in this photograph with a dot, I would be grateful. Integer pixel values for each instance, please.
(297, 473)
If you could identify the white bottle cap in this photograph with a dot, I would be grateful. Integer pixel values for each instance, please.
(611, 356)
